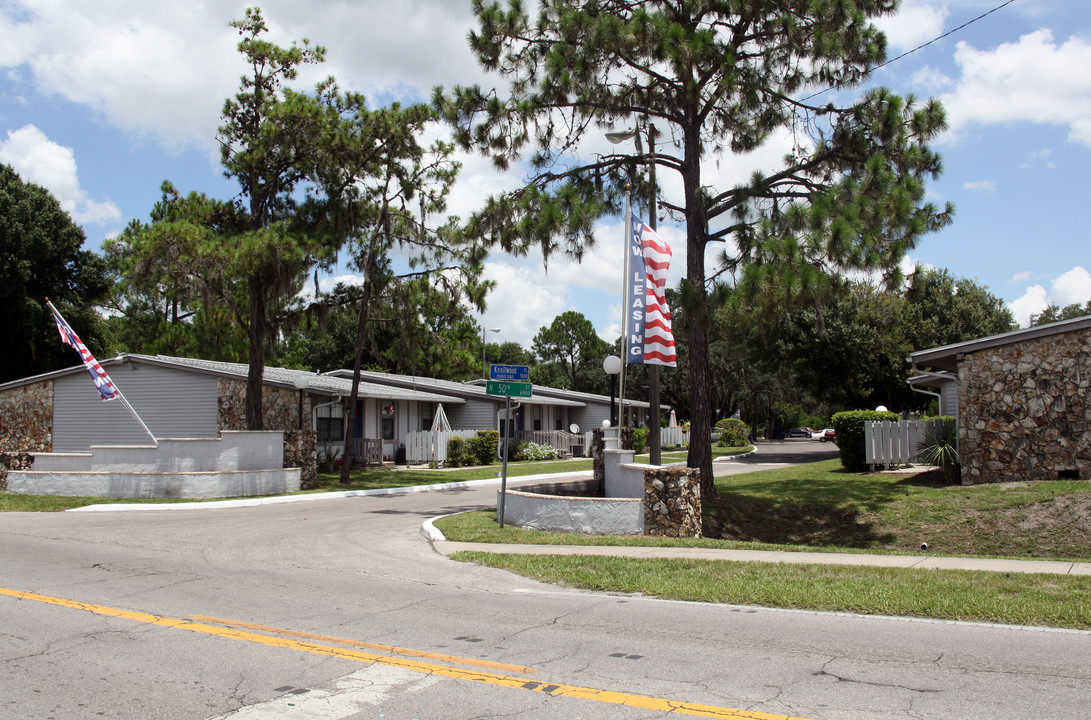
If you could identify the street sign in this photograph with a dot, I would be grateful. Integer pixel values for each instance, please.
(509, 372)
(509, 389)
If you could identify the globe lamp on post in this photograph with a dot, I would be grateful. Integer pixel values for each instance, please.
(612, 367)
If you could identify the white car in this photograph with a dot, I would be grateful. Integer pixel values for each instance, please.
(824, 435)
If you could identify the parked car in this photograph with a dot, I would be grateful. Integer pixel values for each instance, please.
(803, 432)
(824, 435)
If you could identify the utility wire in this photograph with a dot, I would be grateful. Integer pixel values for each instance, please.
(921, 47)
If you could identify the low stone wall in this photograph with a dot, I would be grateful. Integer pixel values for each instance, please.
(670, 507)
(672, 502)
(556, 513)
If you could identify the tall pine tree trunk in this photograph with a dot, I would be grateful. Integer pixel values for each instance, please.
(696, 308)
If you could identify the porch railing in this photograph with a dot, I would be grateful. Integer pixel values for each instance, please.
(366, 451)
(565, 443)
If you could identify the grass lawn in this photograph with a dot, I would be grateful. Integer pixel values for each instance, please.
(821, 507)
(361, 479)
(1016, 599)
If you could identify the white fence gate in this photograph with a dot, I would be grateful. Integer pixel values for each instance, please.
(428, 446)
(896, 443)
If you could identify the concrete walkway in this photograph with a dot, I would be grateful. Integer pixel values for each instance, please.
(1053, 567)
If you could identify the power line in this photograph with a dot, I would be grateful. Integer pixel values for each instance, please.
(921, 47)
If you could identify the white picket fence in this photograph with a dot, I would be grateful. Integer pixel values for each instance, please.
(896, 443)
(670, 437)
(428, 446)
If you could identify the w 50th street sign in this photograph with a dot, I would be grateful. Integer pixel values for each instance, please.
(509, 389)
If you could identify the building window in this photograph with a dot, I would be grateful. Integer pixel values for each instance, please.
(386, 421)
(426, 417)
(537, 417)
(330, 423)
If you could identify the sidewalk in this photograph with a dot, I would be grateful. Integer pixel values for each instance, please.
(1052, 567)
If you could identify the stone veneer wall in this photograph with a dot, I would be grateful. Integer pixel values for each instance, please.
(26, 418)
(26, 426)
(672, 502)
(280, 407)
(1023, 410)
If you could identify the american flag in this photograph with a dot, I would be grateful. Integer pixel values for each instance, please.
(68, 336)
(658, 335)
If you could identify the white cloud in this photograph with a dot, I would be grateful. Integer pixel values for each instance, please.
(930, 80)
(163, 70)
(915, 23)
(1068, 288)
(1073, 286)
(986, 186)
(1031, 302)
(1033, 80)
(39, 160)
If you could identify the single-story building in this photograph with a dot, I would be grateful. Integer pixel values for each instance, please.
(1020, 399)
(62, 412)
(548, 409)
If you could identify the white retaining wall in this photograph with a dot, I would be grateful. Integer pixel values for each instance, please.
(601, 516)
(237, 464)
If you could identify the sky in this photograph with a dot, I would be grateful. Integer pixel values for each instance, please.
(100, 102)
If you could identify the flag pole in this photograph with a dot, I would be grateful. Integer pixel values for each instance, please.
(628, 232)
(121, 396)
(92, 364)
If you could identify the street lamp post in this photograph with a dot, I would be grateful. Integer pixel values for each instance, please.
(612, 366)
(301, 382)
(484, 367)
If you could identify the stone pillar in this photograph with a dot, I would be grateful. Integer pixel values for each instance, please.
(300, 450)
(598, 459)
(672, 502)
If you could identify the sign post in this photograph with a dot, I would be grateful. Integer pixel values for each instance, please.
(507, 381)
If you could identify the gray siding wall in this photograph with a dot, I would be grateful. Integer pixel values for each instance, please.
(950, 399)
(173, 404)
(474, 415)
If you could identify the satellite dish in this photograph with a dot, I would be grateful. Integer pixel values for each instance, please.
(574, 429)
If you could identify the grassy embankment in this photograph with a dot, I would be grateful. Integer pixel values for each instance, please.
(820, 507)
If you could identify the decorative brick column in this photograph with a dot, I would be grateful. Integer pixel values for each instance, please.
(672, 502)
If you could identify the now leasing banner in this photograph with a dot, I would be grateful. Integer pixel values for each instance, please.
(651, 340)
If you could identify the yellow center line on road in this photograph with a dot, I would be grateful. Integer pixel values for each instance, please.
(371, 646)
(558, 690)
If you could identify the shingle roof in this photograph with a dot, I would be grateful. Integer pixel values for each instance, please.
(320, 384)
(947, 357)
(282, 377)
(461, 389)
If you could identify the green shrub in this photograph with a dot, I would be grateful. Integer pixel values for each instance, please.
(485, 446)
(640, 439)
(849, 427)
(456, 452)
(733, 432)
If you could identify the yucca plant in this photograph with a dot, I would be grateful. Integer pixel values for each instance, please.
(940, 448)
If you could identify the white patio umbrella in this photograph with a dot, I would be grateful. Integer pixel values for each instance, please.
(674, 420)
(439, 424)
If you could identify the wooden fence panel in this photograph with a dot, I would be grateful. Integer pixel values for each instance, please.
(895, 443)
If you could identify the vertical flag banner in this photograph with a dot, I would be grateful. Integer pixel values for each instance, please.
(98, 376)
(651, 339)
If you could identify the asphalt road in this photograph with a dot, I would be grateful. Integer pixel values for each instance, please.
(340, 609)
